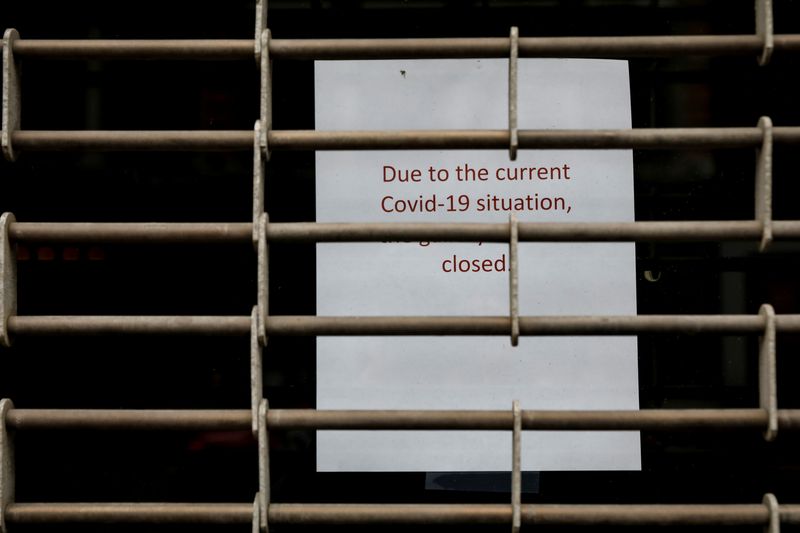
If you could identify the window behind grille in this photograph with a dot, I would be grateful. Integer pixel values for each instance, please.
(106, 278)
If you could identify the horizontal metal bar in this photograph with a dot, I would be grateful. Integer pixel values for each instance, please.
(644, 138)
(150, 513)
(473, 47)
(618, 46)
(194, 49)
(528, 325)
(129, 325)
(375, 514)
(727, 230)
(144, 233)
(648, 420)
(532, 514)
(304, 325)
(137, 419)
(199, 140)
(310, 419)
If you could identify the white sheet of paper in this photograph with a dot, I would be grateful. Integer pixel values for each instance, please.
(374, 279)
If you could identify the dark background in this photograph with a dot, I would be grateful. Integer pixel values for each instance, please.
(675, 371)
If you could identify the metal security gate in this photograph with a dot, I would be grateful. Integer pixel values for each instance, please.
(249, 253)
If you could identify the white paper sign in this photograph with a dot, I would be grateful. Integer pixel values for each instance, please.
(471, 279)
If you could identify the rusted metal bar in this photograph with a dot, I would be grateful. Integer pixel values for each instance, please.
(378, 232)
(374, 514)
(8, 278)
(513, 278)
(768, 372)
(311, 49)
(765, 30)
(513, 86)
(261, 25)
(264, 494)
(193, 49)
(516, 467)
(11, 98)
(647, 420)
(532, 231)
(171, 233)
(7, 464)
(542, 420)
(645, 139)
(199, 140)
(529, 325)
(150, 513)
(763, 182)
(310, 419)
(192, 141)
(617, 46)
(127, 419)
(305, 325)
(532, 514)
(773, 508)
(129, 325)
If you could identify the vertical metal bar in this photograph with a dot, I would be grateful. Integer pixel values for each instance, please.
(516, 468)
(764, 183)
(266, 90)
(258, 336)
(512, 93)
(256, 366)
(263, 466)
(11, 94)
(260, 221)
(8, 278)
(258, 180)
(767, 377)
(261, 25)
(263, 279)
(513, 277)
(765, 29)
(256, 523)
(6, 464)
(774, 525)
